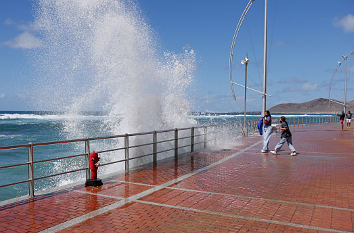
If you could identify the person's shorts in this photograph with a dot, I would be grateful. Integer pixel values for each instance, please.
(349, 120)
(341, 121)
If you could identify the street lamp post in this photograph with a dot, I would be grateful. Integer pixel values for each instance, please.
(245, 62)
(345, 58)
(264, 105)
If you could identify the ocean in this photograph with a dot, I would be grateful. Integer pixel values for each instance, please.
(18, 128)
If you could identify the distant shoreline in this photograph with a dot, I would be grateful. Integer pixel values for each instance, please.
(316, 106)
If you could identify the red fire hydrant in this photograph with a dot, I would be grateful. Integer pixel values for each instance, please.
(93, 167)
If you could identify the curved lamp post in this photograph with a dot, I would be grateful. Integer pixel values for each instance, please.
(344, 59)
(232, 49)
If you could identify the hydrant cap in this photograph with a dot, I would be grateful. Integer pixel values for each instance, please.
(94, 156)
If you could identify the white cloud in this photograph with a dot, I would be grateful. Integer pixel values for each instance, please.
(9, 21)
(346, 23)
(28, 27)
(294, 80)
(24, 41)
(310, 86)
(2, 95)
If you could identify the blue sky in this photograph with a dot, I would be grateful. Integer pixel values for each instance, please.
(306, 39)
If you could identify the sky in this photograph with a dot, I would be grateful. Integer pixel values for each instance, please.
(305, 41)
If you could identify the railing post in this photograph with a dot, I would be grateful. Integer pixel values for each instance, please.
(205, 136)
(192, 139)
(87, 159)
(154, 147)
(215, 135)
(176, 143)
(255, 126)
(30, 171)
(126, 152)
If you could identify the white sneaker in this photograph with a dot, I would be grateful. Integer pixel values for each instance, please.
(293, 153)
(274, 152)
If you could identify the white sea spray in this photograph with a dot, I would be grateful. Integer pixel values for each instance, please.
(102, 55)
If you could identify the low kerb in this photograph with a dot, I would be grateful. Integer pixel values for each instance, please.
(238, 190)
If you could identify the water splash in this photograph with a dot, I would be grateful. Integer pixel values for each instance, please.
(100, 54)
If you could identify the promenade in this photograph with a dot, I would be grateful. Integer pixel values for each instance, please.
(237, 190)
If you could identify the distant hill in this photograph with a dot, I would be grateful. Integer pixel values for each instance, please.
(320, 105)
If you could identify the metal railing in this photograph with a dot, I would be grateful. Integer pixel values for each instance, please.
(195, 133)
(239, 128)
(195, 136)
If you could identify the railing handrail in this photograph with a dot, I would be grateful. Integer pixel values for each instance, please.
(97, 138)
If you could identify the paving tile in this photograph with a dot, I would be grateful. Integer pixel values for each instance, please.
(49, 210)
(341, 220)
(167, 219)
(116, 189)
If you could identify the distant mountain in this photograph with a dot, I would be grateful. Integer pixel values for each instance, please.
(320, 105)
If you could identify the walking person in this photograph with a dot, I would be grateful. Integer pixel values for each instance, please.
(268, 129)
(349, 119)
(341, 118)
(285, 137)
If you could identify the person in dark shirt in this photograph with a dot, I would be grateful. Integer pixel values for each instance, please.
(285, 137)
(349, 119)
(341, 118)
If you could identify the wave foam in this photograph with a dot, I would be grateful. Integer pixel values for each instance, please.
(17, 116)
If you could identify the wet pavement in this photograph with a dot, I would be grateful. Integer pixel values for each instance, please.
(238, 190)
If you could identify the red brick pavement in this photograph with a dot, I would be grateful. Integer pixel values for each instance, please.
(250, 192)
